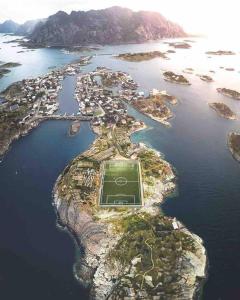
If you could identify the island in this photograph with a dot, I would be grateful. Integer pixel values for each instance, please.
(171, 51)
(108, 197)
(206, 78)
(141, 56)
(3, 72)
(220, 52)
(229, 69)
(4, 67)
(188, 70)
(79, 49)
(223, 110)
(179, 45)
(234, 145)
(229, 93)
(189, 41)
(74, 128)
(175, 78)
(128, 250)
(155, 106)
(10, 65)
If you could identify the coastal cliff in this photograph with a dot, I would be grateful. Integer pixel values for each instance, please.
(114, 25)
(129, 252)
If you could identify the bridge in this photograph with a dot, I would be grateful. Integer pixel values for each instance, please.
(64, 117)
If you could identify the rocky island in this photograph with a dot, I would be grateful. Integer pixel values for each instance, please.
(188, 70)
(74, 128)
(3, 72)
(229, 93)
(179, 45)
(175, 78)
(234, 145)
(155, 106)
(220, 52)
(4, 68)
(223, 110)
(128, 252)
(230, 69)
(206, 78)
(10, 65)
(79, 49)
(141, 56)
(133, 252)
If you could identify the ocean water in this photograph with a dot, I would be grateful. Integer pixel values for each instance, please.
(33, 63)
(66, 100)
(36, 257)
(208, 199)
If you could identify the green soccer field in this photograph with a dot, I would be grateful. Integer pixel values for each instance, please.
(121, 183)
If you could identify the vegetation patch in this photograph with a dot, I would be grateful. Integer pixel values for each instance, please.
(149, 253)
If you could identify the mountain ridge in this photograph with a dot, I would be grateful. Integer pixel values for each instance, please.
(114, 25)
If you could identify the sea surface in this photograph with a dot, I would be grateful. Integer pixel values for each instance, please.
(36, 258)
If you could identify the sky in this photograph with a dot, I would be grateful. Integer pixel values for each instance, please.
(209, 17)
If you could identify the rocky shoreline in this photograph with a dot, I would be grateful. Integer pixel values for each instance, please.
(21, 132)
(223, 110)
(101, 233)
(156, 106)
(175, 78)
(229, 93)
(162, 120)
(234, 145)
(141, 56)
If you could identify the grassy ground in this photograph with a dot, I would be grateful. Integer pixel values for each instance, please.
(121, 183)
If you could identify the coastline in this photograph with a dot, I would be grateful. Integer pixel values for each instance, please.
(235, 155)
(176, 82)
(90, 269)
(159, 120)
(162, 121)
(6, 146)
(93, 273)
(220, 113)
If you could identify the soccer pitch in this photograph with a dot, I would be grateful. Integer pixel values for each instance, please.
(121, 183)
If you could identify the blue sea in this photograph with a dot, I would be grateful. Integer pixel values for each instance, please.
(36, 257)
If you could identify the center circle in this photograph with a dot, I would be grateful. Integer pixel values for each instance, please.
(121, 181)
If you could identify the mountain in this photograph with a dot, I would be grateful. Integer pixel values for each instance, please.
(8, 26)
(28, 27)
(113, 25)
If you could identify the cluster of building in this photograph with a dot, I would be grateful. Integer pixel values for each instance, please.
(85, 178)
(39, 95)
(99, 155)
(98, 95)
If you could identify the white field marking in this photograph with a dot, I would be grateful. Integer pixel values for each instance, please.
(121, 195)
(121, 181)
(117, 178)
